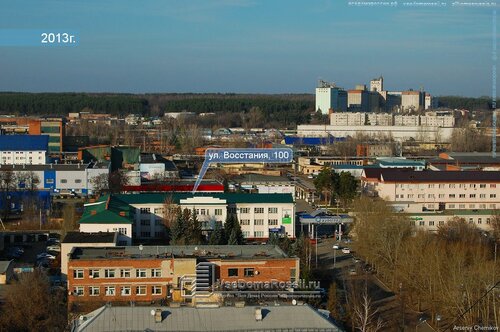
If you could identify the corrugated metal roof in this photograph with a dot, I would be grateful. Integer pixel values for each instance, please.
(24, 142)
(276, 318)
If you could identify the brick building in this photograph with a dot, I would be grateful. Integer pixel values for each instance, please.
(154, 273)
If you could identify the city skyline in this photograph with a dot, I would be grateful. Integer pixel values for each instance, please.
(249, 46)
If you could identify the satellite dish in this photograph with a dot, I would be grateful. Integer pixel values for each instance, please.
(141, 247)
(294, 302)
(152, 312)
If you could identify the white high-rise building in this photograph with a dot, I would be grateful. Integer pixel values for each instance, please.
(329, 96)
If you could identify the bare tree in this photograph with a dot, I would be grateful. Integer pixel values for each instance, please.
(30, 305)
(365, 317)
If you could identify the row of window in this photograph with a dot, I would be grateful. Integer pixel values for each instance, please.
(441, 222)
(112, 290)
(259, 210)
(259, 222)
(50, 181)
(471, 206)
(148, 234)
(443, 196)
(18, 152)
(112, 273)
(199, 212)
(442, 185)
(255, 234)
(247, 272)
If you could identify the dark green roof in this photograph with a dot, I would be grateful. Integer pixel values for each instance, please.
(231, 198)
(106, 210)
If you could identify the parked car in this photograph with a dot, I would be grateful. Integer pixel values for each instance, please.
(45, 255)
(54, 248)
(346, 250)
(352, 272)
(336, 247)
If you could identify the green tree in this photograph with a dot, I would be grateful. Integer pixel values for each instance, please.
(233, 230)
(346, 187)
(324, 183)
(333, 304)
(218, 235)
(194, 234)
(178, 229)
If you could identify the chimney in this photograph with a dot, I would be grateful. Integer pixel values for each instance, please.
(122, 213)
(158, 316)
(258, 314)
(93, 212)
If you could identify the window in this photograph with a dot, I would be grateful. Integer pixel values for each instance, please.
(109, 290)
(64, 181)
(49, 181)
(218, 212)
(145, 234)
(94, 291)
(452, 185)
(78, 274)
(482, 195)
(140, 273)
(203, 212)
(431, 185)
(472, 206)
(245, 222)
(421, 195)
(273, 222)
(78, 180)
(232, 272)
(488, 221)
(482, 206)
(78, 291)
(461, 206)
(246, 234)
(125, 291)
(145, 210)
(140, 290)
(471, 221)
(441, 186)
(156, 290)
(245, 210)
(144, 222)
(441, 195)
(293, 274)
(421, 223)
(249, 272)
(441, 223)
(461, 196)
(259, 222)
(258, 234)
(122, 230)
(493, 206)
(430, 196)
(431, 223)
(125, 273)
(482, 186)
(273, 210)
(109, 273)
(451, 206)
(258, 210)
(472, 196)
(493, 185)
(451, 195)
(410, 195)
(493, 195)
(479, 221)
(93, 273)
(156, 273)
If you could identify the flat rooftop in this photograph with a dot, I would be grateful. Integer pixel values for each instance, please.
(80, 237)
(194, 251)
(223, 319)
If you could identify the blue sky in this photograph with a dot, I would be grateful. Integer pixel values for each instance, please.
(248, 46)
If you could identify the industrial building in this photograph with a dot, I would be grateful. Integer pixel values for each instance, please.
(23, 149)
(330, 97)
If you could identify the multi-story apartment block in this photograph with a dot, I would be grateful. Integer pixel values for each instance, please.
(406, 120)
(409, 191)
(348, 119)
(433, 119)
(153, 273)
(380, 119)
(141, 216)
